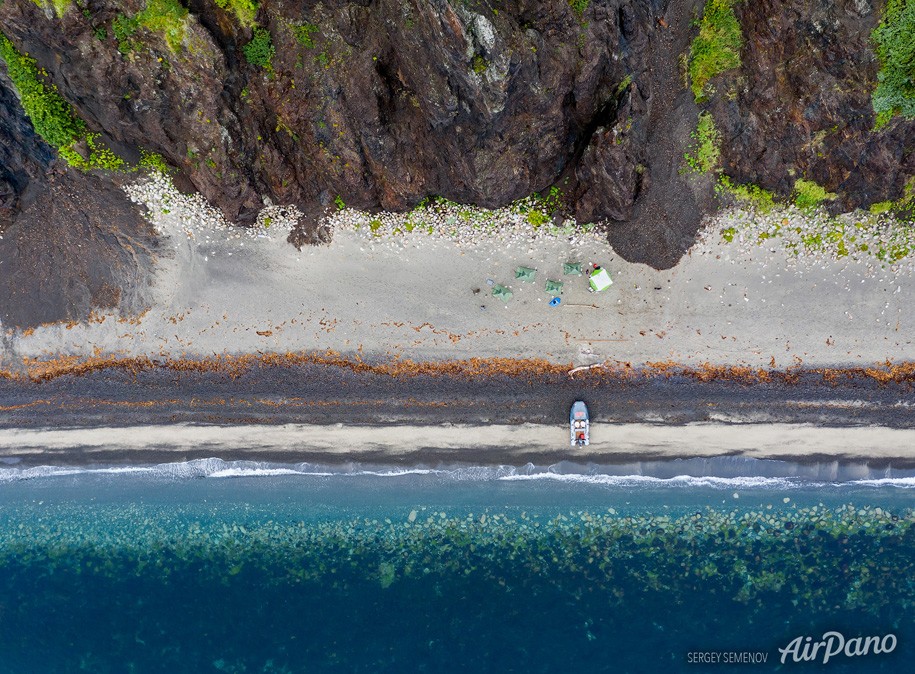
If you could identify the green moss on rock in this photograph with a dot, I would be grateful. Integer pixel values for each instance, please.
(244, 10)
(717, 47)
(705, 152)
(808, 194)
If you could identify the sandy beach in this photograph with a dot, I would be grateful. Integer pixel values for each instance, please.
(219, 292)
(433, 445)
(222, 291)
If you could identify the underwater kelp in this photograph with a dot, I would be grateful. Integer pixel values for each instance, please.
(171, 584)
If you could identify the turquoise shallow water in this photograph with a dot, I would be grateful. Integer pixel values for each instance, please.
(212, 567)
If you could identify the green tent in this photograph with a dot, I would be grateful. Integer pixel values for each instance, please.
(525, 274)
(554, 287)
(570, 268)
(600, 279)
(501, 292)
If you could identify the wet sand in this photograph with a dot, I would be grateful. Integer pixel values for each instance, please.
(478, 445)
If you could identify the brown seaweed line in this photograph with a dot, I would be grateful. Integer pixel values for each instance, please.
(38, 370)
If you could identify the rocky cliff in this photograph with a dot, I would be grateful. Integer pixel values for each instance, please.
(381, 103)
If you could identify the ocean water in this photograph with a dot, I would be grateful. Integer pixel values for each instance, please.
(211, 566)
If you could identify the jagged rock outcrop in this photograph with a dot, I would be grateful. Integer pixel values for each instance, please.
(382, 103)
(71, 242)
(800, 106)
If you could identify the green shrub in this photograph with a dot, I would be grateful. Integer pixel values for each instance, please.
(881, 207)
(60, 6)
(52, 117)
(303, 34)
(903, 208)
(100, 156)
(479, 65)
(537, 218)
(705, 153)
(153, 161)
(551, 200)
(244, 10)
(338, 202)
(717, 47)
(752, 195)
(579, 6)
(123, 27)
(894, 41)
(260, 50)
(166, 17)
(808, 194)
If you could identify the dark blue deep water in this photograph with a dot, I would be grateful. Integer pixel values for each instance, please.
(213, 567)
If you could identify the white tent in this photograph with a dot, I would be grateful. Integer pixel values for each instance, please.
(600, 280)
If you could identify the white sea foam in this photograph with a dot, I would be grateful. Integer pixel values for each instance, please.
(679, 480)
(904, 482)
(256, 472)
(652, 474)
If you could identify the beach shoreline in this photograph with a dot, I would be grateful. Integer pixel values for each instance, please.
(482, 412)
(402, 332)
(433, 445)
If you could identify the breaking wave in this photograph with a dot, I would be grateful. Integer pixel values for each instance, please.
(725, 473)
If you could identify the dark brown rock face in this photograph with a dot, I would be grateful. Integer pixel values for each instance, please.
(70, 242)
(800, 106)
(384, 102)
(77, 245)
(392, 103)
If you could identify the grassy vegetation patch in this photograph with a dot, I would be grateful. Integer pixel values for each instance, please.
(60, 6)
(260, 50)
(750, 195)
(52, 117)
(903, 208)
(717, 47)
(153, 161)
(168, 18)
(704, 154)
(124, 27)
(244, 10)
(99, 156)
(808, 194)
(165, 17)
(894, 42)
(579, 6)
(303, 34)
